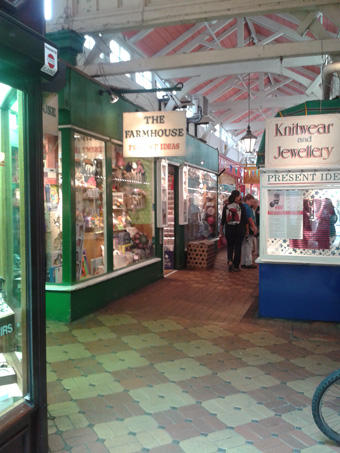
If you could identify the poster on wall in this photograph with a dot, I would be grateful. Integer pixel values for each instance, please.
(303, 142)
(154, 134)
(285, 214)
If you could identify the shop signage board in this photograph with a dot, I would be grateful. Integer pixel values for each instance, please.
(294, 178)
(303, 141)
(154, 134)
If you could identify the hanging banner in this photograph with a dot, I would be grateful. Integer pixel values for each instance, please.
(154, 134)
(251, 175)
(303, 141)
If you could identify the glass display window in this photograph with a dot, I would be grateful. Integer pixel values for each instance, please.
(53, 207)
(301, 222)
(132, 209)
(90, 206)
(202, 208)
(13, 350)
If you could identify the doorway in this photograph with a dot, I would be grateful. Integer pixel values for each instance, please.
(169, 230)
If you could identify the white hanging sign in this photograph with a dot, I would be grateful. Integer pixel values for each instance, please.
(311, 141)
(51, 60)
(154, 134)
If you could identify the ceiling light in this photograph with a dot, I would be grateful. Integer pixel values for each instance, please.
(249, 138)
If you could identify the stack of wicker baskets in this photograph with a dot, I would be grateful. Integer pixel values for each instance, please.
(201, 254)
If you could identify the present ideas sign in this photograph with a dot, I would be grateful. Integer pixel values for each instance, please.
(154, 134)
(303, 142)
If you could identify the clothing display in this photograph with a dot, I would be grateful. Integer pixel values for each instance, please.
(317, 215)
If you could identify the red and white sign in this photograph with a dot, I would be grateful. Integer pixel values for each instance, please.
(51, 60)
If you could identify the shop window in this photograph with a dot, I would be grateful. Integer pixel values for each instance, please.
(90, 206)
(132, 211)
(53, 208)
(202, 205)
(13, 353)
(303, 223)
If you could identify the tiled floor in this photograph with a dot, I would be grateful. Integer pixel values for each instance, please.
(185, 365)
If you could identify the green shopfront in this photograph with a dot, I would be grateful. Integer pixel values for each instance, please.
(102, 235)
(23, 414)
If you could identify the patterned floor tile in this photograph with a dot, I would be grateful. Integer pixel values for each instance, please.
(197, 348)
(92, 385)
(207, 387)
(66, 352)
(161, 397)
(132, 434)
(182, 369)
(248, 378)
(161, 354)
(116, 319)
(121, 361)
(221, 362)
(139, 377)
(263, 338)
(209, 331)
(94, 334)
(280, 398)
(317, 364)
(217, 441)
(117, 406)
(237, 409)
(200, 371)
(306, 386)
(162, 325)
(256, 356)
(284, 371)
(143, 341)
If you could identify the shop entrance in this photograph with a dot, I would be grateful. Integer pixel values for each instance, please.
(169, 230)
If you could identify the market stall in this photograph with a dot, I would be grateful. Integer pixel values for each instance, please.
(300, 228)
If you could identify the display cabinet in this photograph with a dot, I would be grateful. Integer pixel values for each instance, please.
(132, 213)
(162, 193)
(300, 220)
(202, 205)
(89, 183)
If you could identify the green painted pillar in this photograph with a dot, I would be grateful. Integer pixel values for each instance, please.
(69, 43)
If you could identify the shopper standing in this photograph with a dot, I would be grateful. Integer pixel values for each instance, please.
(247, 244)
(234, 224)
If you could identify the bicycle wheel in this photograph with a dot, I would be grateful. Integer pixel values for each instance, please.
(326, 406)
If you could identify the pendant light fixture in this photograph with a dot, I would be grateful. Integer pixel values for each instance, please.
(249, 138)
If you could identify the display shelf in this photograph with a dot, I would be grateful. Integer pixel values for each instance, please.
(162, 193)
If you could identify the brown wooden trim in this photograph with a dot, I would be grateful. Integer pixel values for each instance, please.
(14, 421)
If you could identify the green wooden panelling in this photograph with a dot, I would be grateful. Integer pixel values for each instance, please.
(69, 224)
(306, 108)
(199, 153)
(90, 110)
(58, 306)
(14, 38)
(68, 306)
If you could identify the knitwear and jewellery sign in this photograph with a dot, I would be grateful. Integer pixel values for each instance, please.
(303, 142)
(154, 134)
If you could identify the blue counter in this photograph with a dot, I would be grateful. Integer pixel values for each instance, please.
(294, 291)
